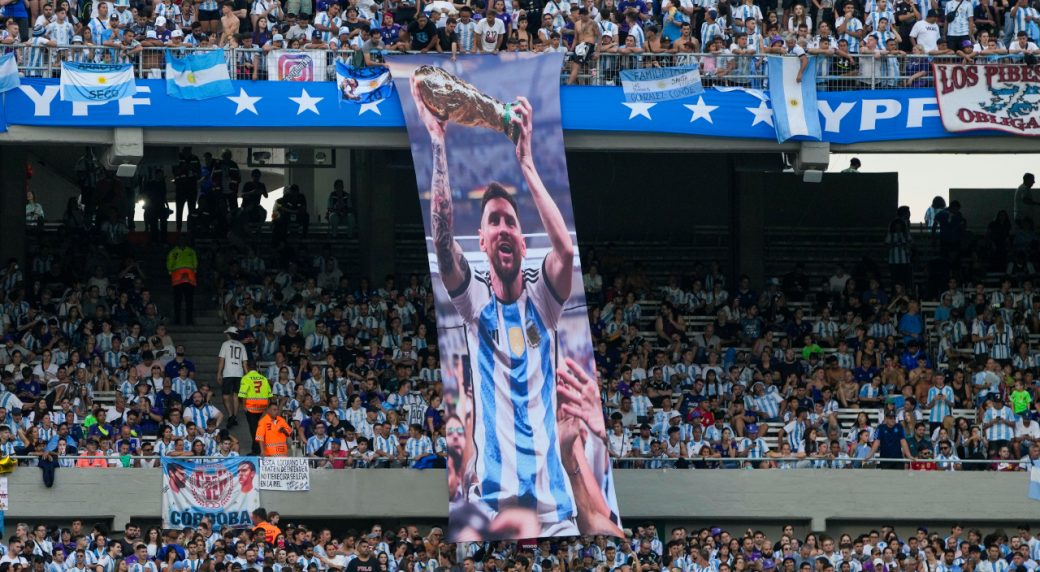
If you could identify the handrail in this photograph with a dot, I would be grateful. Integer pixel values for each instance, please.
(873, 71)
(619, 462)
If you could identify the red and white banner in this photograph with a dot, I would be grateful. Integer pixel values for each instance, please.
(998, 97)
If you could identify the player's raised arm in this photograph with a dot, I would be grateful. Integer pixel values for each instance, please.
(558, 263)
(450, 261)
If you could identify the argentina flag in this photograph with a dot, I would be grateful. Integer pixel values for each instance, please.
(96, 82)
(794, 103)
(8, 73)
(1034, 483)
(197, 76)
(363, 85)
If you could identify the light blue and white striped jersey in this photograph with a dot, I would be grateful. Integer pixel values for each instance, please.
(641, 405)
(172, 13)
(185, 387)
(104, 341)
(388, 444)
(355, 416)
(112, 358)
(416, 448)
(323, 19)
(873, 20)
(939, 409)
(466, 32)
(1000, 349)
(1000, 565)
(999, 431)
(148, 566)
(98, 29)
(513, 349)
(1021, 24)
(314, 443)
(768, 403)
(61, 33)
(877, 329)
(854, 25)
(178, 430)
(200, 415)
(286, 389)
(714, 434)
(960, 25)
(981, 329)
(756, 448)
(795, 435)
(947, 462)
(744, 13)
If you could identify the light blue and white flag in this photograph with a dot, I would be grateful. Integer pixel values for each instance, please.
(8, 73)
(1034, 483)
(794, 103)
(96, 82)
(201, 75)
(363, 85)
(661, 84)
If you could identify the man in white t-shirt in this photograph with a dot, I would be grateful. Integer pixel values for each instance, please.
(232, 364)
(926, 32)
(489, 33)
(1023, 45)
(1027, 433)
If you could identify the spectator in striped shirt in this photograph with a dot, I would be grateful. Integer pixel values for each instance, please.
(998, 423)
(418, 444)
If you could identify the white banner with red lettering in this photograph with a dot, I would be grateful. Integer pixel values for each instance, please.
(1001, 97)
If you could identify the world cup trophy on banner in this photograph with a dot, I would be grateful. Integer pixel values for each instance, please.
(452, 99)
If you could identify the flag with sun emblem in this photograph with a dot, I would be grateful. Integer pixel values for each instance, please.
(201, 75)
(363, 84)
(662, 84)
(793, 97)
(96, 82)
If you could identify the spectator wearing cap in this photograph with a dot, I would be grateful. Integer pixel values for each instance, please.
(232, 365)
(926, 32)
(890, 443)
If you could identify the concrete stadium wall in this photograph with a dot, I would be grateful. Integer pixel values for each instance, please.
(814, 499)
(982, 205)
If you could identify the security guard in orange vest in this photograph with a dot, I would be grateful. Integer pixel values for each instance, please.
(261, 525)
(255, 394)
(182, 263)
(273, 433)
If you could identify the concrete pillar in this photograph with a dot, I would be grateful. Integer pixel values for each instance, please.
(304, 177)
(375, 213)
(324, 178)
(747, 226)
(12, 204)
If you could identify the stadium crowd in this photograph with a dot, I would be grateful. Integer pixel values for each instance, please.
(276, 545)
(855, 38)
(698, 371)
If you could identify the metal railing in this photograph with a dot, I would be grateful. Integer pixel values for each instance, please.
(858, 71)
(691, 462)
(840, 463)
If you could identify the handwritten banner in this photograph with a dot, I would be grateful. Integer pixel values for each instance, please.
(284, 474)
(661, 84)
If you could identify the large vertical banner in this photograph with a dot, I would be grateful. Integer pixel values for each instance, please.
(224, 491)
(524, 425)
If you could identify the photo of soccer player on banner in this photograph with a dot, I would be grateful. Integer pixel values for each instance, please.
(526, 439)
